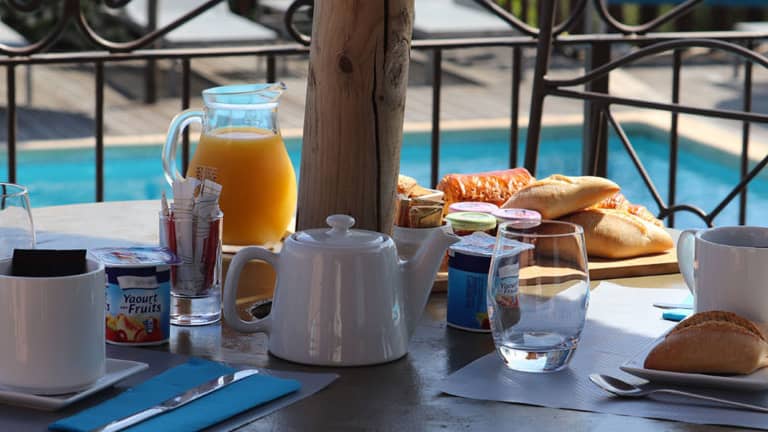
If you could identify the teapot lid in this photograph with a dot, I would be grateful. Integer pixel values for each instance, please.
(340, 235)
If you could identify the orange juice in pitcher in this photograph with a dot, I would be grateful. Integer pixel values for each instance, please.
(255, 162)
(241, 149)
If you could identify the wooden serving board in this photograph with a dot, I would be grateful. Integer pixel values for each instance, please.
(651, 265)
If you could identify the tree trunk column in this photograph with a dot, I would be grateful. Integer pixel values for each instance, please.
(353, 123)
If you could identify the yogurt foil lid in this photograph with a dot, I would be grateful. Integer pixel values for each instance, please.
(135, 256)
(482, 244)
(525, 218)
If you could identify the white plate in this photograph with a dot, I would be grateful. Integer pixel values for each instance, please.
(757, 380)
(117, 370)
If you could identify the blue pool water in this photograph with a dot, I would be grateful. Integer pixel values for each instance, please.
(704, 176)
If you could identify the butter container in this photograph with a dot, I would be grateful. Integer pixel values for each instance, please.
(138, 294)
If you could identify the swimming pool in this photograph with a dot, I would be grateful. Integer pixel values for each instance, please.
(705, 176)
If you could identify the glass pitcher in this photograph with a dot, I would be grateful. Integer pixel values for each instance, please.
(241, 148)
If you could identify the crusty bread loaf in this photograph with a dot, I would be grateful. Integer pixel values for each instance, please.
(559, 195)
(711, 342)
(617, 234)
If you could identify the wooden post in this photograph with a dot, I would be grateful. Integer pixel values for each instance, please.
(353, 123)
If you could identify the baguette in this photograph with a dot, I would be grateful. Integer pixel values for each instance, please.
(493, 187)
(711, 342)
(559, 195)
(617, 234)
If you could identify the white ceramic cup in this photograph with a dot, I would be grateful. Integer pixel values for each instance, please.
(52, 330)
(726, 268)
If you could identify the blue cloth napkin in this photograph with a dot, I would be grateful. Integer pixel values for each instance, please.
(206, 411)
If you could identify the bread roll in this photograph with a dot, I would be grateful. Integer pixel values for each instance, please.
(711, 342)
(558, 195)
(493, 187)
(717, 315)
(617, 234)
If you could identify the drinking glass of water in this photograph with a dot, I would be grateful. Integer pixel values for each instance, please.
(16, 228)
(538, 291)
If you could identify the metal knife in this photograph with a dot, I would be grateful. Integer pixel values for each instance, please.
(177, 401)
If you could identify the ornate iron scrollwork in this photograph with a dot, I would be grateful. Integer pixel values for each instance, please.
(527, 29)
(578, 11)
(25, 6)
(675, 12)
(71, 11)
(518, 24)
(290, 16)
(603, 101)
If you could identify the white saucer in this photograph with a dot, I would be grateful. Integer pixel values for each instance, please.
(117, 370)
(757, 380)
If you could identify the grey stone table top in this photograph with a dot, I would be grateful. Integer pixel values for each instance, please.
(401, 395)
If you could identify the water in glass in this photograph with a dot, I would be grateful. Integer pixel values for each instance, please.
(538, 291)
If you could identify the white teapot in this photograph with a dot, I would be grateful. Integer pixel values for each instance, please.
(343, 297)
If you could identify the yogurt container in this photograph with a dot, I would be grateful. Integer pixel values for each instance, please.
(138, 294)
(468, 264)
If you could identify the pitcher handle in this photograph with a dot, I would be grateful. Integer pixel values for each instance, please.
(686, 248)
(178, 124)
(230, 290)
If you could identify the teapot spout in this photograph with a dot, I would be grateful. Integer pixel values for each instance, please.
(418, 273)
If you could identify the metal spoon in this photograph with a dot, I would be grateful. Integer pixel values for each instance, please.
(625, 389)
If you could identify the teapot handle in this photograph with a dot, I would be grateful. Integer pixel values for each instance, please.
(178, 124)
(230, 290)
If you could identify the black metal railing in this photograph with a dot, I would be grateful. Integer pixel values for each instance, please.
(595, 95)
(598, 115)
